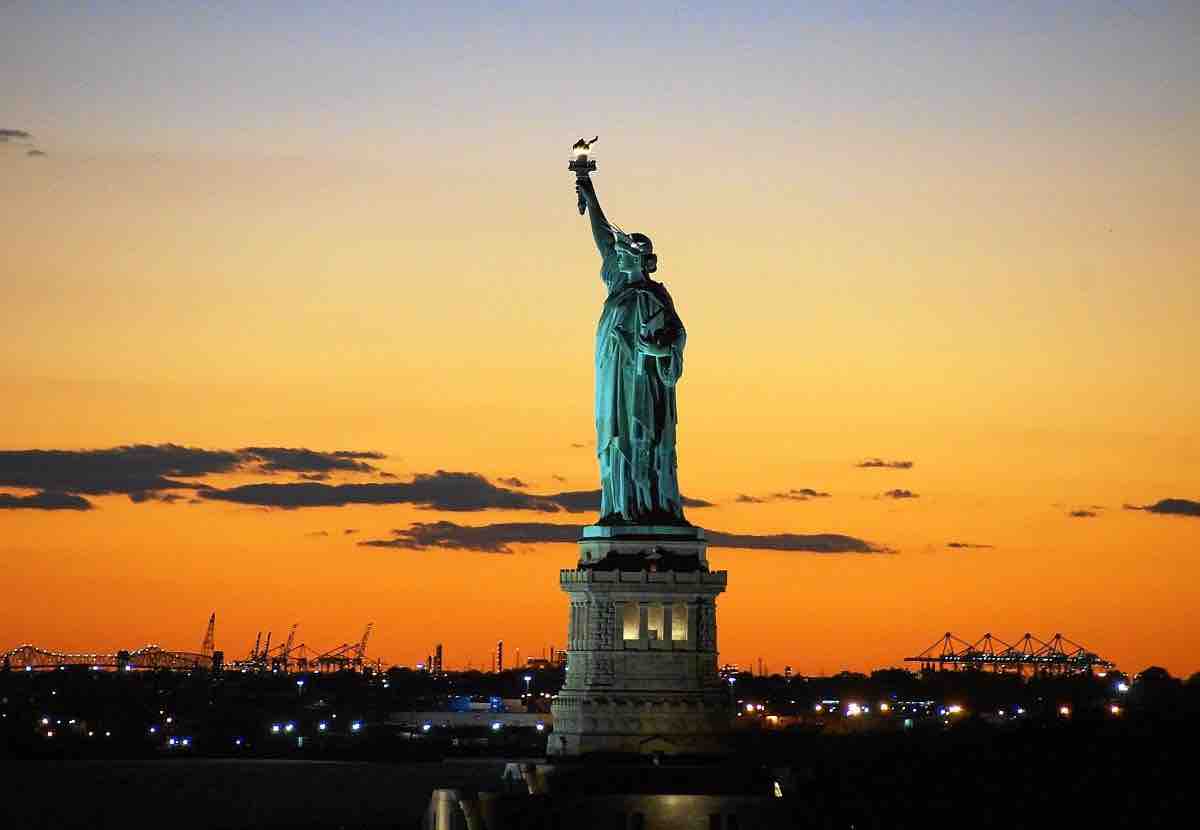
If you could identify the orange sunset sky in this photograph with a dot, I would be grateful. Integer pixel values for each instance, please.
(964, 240)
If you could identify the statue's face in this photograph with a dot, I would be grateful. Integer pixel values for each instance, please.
(628, 261)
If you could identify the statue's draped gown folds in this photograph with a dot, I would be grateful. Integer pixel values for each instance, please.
(639, 359)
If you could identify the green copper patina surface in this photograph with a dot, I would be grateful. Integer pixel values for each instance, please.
(639, 359)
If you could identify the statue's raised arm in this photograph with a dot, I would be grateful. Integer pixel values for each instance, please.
(601, 230)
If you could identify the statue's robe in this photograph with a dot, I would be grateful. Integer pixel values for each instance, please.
(635, 404)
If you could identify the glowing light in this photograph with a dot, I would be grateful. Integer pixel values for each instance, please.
(1115, 709)
(425, 727)
(45, 721)
(355, 726)
(541, 727)
(954, 709)
(883, 707)
(1122, 687)
(237, 741)
(291, 727)
(322, 726)
(50, 733)
(170, 742)
(187, 741)
(853, 710)
(749, 707)
(108, 734)
(1065, 711)
(274, 729)
(153, 730)
(496, 726)
(818, 708)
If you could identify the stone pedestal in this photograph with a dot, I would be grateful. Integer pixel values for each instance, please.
(642, 646)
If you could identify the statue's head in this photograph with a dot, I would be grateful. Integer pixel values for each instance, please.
(636, 253)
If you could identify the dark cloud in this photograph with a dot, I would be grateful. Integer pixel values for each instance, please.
(1169, 507)
(139, 470)
(34, 153)
(44, 500)
(795, 494)
(300, 460)
(558, 478)
(899, 494)
(452, 491)
(512, 482)
(809, 543)
(966, 545)
(127, 469)
(493, 538)
(314, 476)
(497, 538)
(14, 135)
(1082, 514)
(889, 465)
(576, 501)
(350, 531)
(578, 445)
(317, 533)
(384, 474)
(142, 496)
(436, 491)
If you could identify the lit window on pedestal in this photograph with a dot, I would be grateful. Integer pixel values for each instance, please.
(679, 621)
(629, 620)
(654, 622)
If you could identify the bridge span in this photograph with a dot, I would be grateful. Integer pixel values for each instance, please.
(29, 657)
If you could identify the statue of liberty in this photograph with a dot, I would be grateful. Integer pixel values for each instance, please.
(639, 359)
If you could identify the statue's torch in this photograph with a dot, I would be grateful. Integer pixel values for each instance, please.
(581, 165)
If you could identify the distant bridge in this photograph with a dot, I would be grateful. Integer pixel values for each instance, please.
(32, 658)
(1058, 655)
